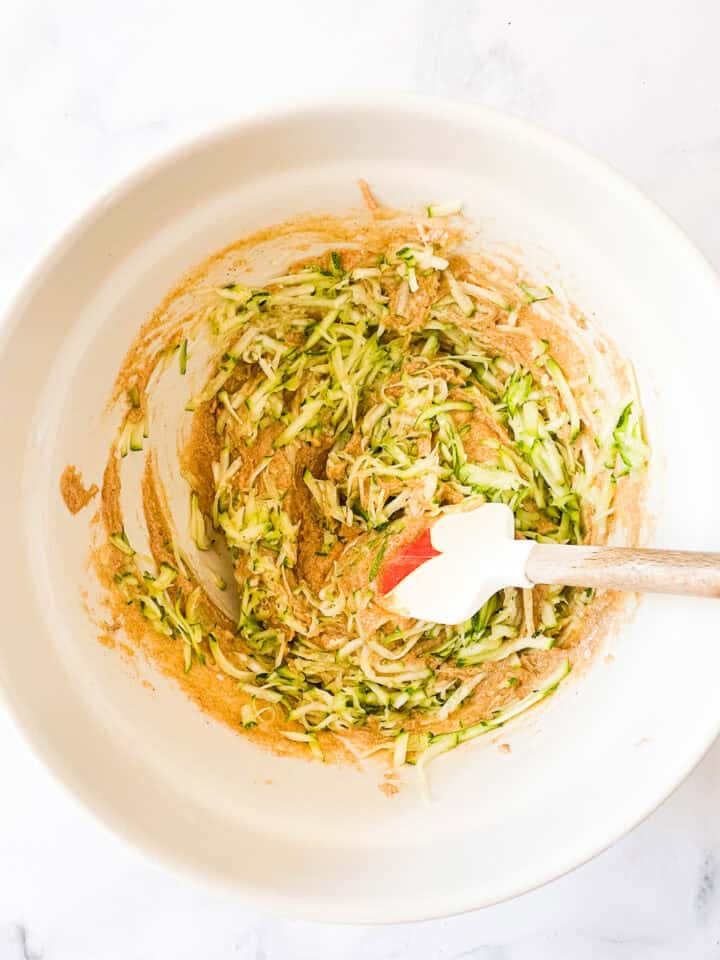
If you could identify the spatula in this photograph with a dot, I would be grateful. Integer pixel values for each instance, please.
(458, 562)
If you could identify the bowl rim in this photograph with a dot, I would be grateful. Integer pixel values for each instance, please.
(53, 251)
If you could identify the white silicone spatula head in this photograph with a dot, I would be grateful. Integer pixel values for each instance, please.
(471, 556)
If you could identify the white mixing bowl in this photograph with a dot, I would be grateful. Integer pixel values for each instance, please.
(324, 842)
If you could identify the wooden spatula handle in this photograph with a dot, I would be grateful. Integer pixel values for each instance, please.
(625, 568)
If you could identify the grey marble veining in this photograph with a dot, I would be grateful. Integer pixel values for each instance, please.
(89, 90)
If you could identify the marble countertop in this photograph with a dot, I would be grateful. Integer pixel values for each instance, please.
(87, 91)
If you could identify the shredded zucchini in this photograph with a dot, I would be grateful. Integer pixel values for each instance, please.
(367, 418)
(132, 436)
(198, 528)
(443, 209)
(120, 541)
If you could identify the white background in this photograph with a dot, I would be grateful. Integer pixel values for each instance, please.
(88, 90)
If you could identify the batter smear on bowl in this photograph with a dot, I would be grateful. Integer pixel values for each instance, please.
(307, 400)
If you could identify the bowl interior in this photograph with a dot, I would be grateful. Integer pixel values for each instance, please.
(320, 841)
